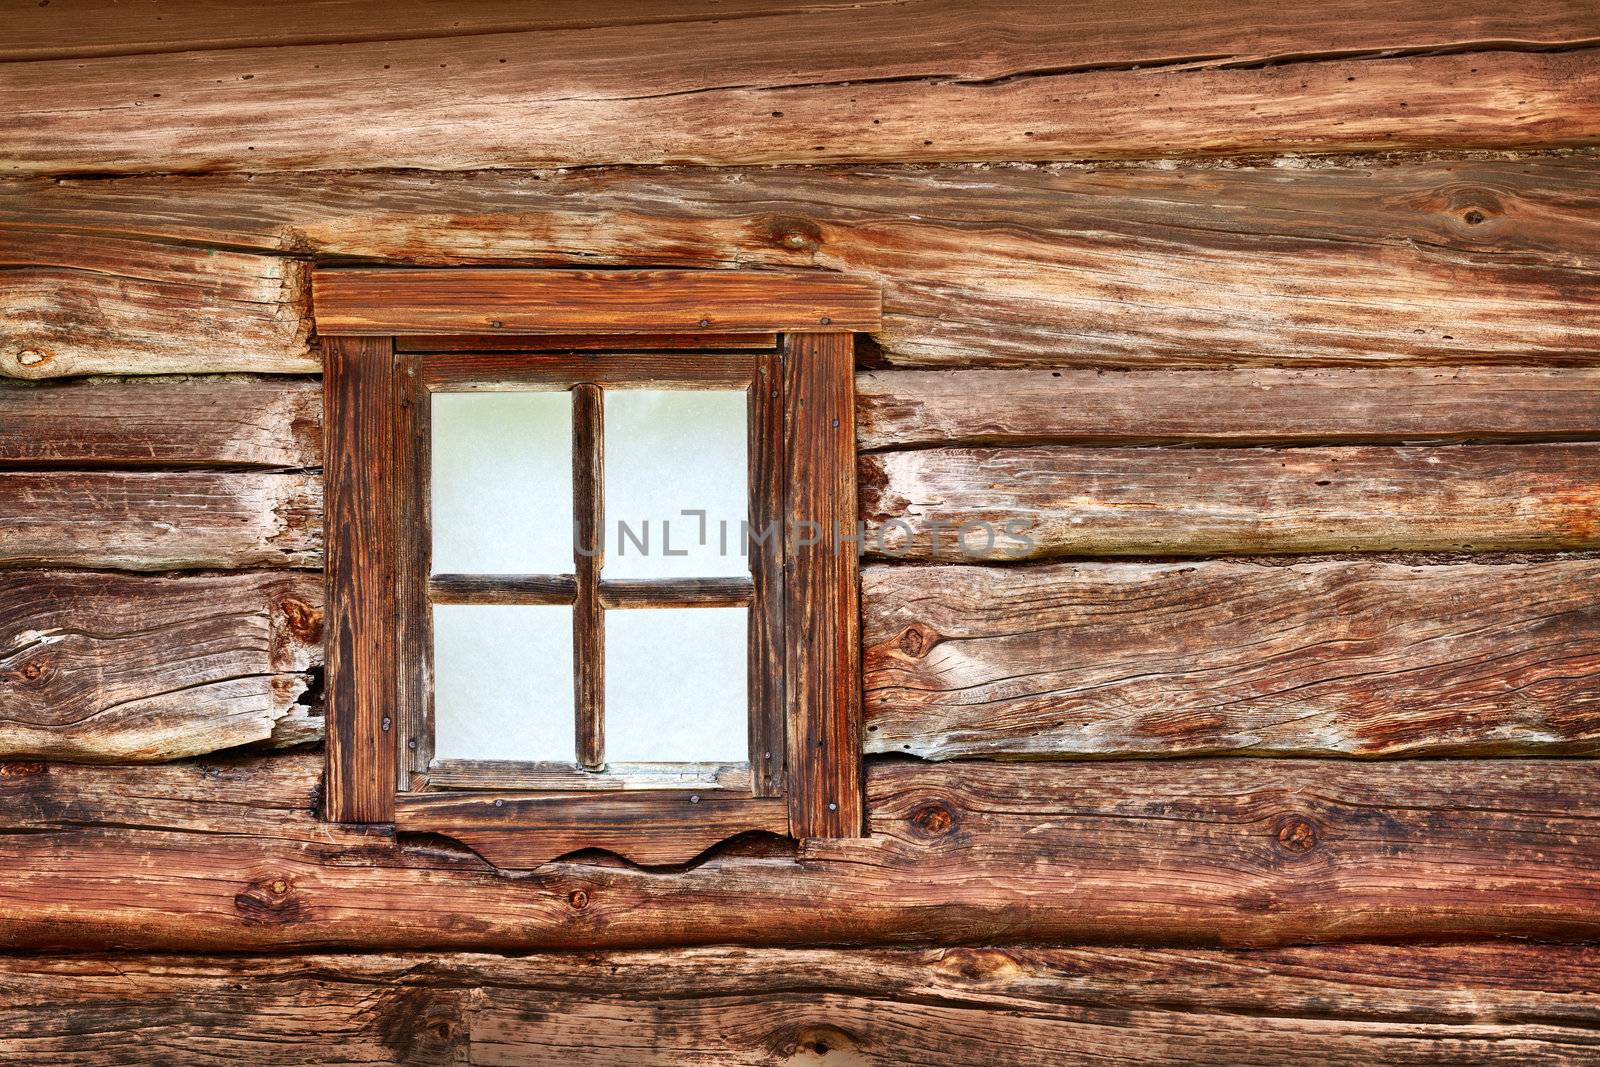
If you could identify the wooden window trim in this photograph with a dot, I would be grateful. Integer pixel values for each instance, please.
(386, 335)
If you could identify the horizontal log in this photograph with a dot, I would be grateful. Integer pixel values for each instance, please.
(71, 304)
(212, 422)
(1031, 503)
(720, 94)
(1010, 35)
(230, 856)
(1346, 1005)
(905, 409)
(160, 520)
(1476, 261)
(121, 668)
(1339, 659)
(431, 301)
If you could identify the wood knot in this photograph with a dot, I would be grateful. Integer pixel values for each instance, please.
(30, 769)
(1296, 834)
(978, 964)
(917, 640)
(793, 234)
(303, 620)
(34, 671)
(577, 900)
(33, 357)
(934, 819)
(269, 902)
(813, 1044)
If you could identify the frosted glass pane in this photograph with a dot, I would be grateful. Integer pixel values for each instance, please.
(502, 682)
(675, 686)
(502, 483)
(667, 452)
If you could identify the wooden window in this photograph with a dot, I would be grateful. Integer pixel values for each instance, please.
(533, 398)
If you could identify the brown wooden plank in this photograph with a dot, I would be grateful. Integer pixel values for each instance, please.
(92, 305)
(675, 592)
(160, 520)
(1003, 38)
(231, 856)
(696, 94)
(821, 594)
(1439, 262)
(243, 422)
(1337, 659)
(766, 667)
(106, 667)
(502, 589)
(599, 342)
(1352, 1006)
(899, 409)
(653, 827)
(111, 29)
(519, 775)
(395, 301)
(504, 370)
(588, 612)
(362, 454)
(1031, 503)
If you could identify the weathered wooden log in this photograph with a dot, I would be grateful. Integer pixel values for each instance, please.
(1347, 1005)
(1346, 658)
(1446, 263)
(1009, 36)
(901, 409)
(723, 94)
(140, 422)
(147, 521)
(71, 304)
(230, 855)
(121, 668)
(1029, 503)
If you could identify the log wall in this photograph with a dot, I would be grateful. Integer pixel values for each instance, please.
(1264, 335)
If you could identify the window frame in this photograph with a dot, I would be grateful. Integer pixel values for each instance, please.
(388, 337)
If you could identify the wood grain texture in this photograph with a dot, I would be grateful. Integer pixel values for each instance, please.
(723, 93)
(117, 668)
(72, 304)
(362, 448)
(905, 409)
(1338, 659)
(1030, 503)
(648, 302)
(516, 831)
(232, 856)
(211, 422)
(1449, 263)
(149, 521)
(821, 596)
(1022, 33)
(1352, 1005)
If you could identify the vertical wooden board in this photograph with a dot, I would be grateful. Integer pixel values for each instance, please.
(767, 721)
(588, 616)
(822, 621)
(361, 558)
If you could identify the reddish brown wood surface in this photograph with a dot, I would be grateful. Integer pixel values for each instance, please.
(1439, 262)
(653, 827)
(822, 666)
(576, 302)
(1347, 1005)
(588, 614)
(1350, 658)
(232, 856)
(720, 93)
(130, 669)
(1026, 503)
(899, 409)
(251, 422)
(160, 520)
(362, 569)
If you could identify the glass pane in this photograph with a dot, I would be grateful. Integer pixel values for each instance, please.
(502, 682)
(668, 452)
(675, 686)
(502, 483)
